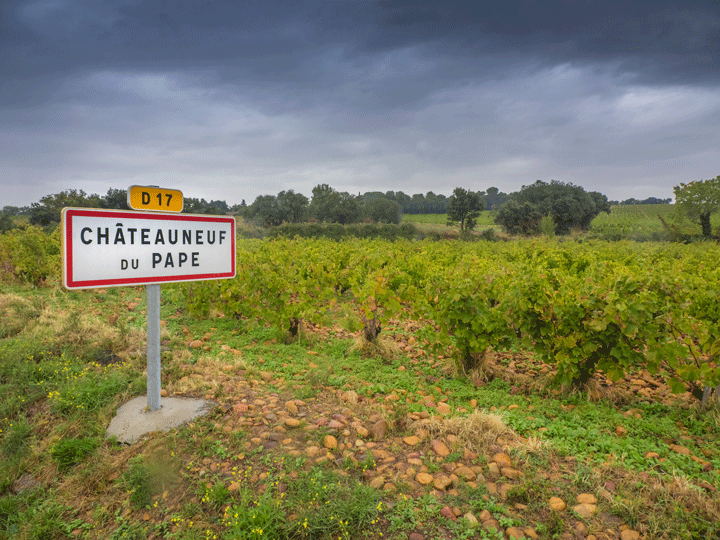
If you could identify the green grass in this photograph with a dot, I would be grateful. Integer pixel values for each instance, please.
(484, 221)
(70, 452)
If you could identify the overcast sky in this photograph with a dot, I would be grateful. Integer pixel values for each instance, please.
(231, 100)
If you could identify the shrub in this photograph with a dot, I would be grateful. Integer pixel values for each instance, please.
(547, 226)
(30, 255)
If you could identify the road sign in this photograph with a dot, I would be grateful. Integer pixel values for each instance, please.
(110, 248)
(155, 199)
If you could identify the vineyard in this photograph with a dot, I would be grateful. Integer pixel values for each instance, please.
(637, 222)
(560, 388)
(580, 307)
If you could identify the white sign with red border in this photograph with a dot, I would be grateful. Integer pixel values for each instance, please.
(112, 248)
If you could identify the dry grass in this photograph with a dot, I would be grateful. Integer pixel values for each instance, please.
(478, 432)
(80, 331)
(654, 504)
(16, 313)
(486, 368)
(382, 347)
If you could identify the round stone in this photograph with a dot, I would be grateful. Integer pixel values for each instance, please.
(424, 478)
(330, 442)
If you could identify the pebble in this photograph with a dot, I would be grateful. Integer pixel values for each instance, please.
(330, 442)
(464, 472)
(514, 532)
(502, 460)
(443, 408)
(586, 498)
(557, 504)
(377, 482)
(442, 482)
(585, 510)
(350, 396)
(291, 407)
(424, 478)
(379, 430)
(440, 448)
(446, 512)
(680, 449)
(510, 473)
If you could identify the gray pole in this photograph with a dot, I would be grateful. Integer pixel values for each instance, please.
(153, 346)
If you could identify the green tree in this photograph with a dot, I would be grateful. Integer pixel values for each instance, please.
(47, 211)
(6, 221)
(463, 208)
(221, 207)
(333, 207)
(239, 209)
(266, 211)
(348, 209)
(382, 210)
(519, 218)
(192, 205)
(324, 200)
(115, 199)
(569, 206)
(435, 204)
(698, 201)
(12, 210)
(403, 199)
(293, 206)
(494, 198)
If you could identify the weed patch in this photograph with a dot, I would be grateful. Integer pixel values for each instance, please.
(69, 452)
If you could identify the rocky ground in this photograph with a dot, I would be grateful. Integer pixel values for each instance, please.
(434, 453)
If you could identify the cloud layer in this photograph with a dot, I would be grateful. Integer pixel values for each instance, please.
(230, 100)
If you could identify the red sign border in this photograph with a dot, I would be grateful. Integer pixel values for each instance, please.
(66, 224)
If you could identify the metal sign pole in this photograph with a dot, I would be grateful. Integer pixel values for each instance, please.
(153, 346)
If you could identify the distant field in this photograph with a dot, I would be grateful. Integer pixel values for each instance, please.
(484, 221)
(641, 222)
(634, 222)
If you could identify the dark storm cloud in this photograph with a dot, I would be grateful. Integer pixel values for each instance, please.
(280, 41)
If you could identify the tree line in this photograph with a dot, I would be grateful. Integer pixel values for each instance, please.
(553, 207)
(46, 212)
(649, 200)
(332, 206)
(325, 205)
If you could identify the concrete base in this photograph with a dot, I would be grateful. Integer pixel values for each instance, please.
(133, 420)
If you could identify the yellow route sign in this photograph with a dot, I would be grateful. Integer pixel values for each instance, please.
(155, 199)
